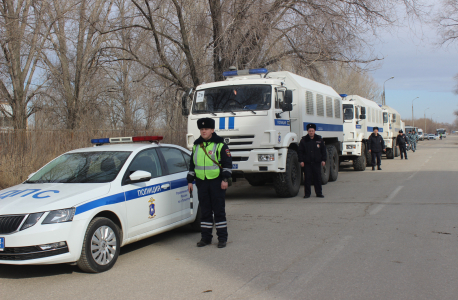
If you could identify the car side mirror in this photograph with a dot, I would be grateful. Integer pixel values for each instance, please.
(362, 117)
(139, 176)
(31, 174)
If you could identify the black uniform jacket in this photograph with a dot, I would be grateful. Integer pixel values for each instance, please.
(376, 143)
(225, 158)
(402, 140)
(312, 150)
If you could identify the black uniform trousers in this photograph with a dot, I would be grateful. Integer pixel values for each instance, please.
(378, 156)
(312, 170)
(212, 204)
(403, 150)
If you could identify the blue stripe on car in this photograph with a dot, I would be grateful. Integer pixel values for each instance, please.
(131, 195)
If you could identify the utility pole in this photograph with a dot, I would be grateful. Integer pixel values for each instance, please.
(413, 121)
(383, 100)
(424, 117)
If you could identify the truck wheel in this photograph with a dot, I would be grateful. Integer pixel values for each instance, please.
(368, 158)
(196, 224)
(333, 157)
(256, 179)
(287, 184)
(101, 246)
(359, 164)
(389, 153)
(325, 171)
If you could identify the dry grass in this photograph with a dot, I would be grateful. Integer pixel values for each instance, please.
(24, 152)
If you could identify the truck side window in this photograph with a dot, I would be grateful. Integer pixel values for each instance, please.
(279, 99)
(356, 112)
(310, 109)
(385, 117)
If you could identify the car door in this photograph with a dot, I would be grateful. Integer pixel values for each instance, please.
(146, 202)
(177, 169)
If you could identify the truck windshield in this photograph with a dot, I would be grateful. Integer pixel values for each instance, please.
(82, 167)
(233, 98)
(347, 111)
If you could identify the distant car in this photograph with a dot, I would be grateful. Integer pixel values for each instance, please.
(431, 136)
(87, 203)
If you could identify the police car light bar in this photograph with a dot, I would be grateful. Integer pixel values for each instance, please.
(245, 72)
(127, 139)
(343, 95)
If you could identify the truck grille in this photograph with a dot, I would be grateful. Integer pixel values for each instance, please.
(241, 140)
(10, 224)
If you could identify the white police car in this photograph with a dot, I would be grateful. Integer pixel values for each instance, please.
(87, 203)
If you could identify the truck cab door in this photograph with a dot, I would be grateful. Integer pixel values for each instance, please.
(282, 118)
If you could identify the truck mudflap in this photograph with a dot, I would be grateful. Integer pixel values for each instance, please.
(248, 161)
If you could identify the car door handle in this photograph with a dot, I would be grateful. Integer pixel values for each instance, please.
(165, 186)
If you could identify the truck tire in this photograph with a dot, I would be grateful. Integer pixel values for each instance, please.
(396, 152)
(333, 157)
(390, 153)
(287, 184)
(368, 157)
(325, 171)
(359, 164)
(256, 179)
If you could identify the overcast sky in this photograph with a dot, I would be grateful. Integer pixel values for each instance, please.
(420, 69)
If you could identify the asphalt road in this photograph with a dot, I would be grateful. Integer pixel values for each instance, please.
(389, 234)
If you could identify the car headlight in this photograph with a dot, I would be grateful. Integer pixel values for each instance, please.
(266, 157)
(60, 216)
(351, 147)
(32, 219)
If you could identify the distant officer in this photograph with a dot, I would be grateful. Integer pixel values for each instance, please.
(402, 140)
(210, 167)
(409, 136)
(414, 140)
(312, 156)
(376, 146)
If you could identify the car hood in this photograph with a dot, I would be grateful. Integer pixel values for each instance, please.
(29, 198)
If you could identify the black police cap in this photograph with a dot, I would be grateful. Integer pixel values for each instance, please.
(400, 131)
(311, 125)
(375, 128)
(206, 123)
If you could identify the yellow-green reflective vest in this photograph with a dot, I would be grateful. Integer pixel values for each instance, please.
(203, 166)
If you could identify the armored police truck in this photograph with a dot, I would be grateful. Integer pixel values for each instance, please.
(391, 127)
(262, 116)
(360, 116)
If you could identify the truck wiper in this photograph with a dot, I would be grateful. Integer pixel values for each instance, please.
(230, 112)
(245, 108)
(207, 111)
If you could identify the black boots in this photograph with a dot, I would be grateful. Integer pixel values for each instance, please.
(378, 168)
(221, 244)
(203, 243)
(373, 168)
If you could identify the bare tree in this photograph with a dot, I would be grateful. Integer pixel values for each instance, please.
(22, 35)
(74, 58)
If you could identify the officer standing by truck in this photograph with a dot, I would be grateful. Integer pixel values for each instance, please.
(312, 156)
(402, 140)
(376, 146)
(414, 140)
(211, 168)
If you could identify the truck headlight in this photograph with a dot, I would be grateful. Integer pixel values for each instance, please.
(32, 219)
(59, 216)
(266, 157)
(351, 147)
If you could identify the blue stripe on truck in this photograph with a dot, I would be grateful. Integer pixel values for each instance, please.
(325, 127)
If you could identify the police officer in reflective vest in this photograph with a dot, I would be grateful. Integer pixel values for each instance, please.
(312, 156)
(210, 167)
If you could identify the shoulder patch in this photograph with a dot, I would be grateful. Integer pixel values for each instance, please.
(228, 153)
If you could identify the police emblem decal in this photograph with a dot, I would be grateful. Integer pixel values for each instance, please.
(152, 208)
(227, 140)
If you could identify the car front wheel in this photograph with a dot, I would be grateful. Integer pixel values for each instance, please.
(101, 246)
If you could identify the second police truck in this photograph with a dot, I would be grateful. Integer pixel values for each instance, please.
(262, 116)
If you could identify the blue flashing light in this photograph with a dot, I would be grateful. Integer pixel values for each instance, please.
(258, 71)
(229, 73)
(343, 95)
(245, 72)
(100, 141)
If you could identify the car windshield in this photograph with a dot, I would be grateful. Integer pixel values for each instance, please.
(82, 167)
(233, 98)
(348, 111)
